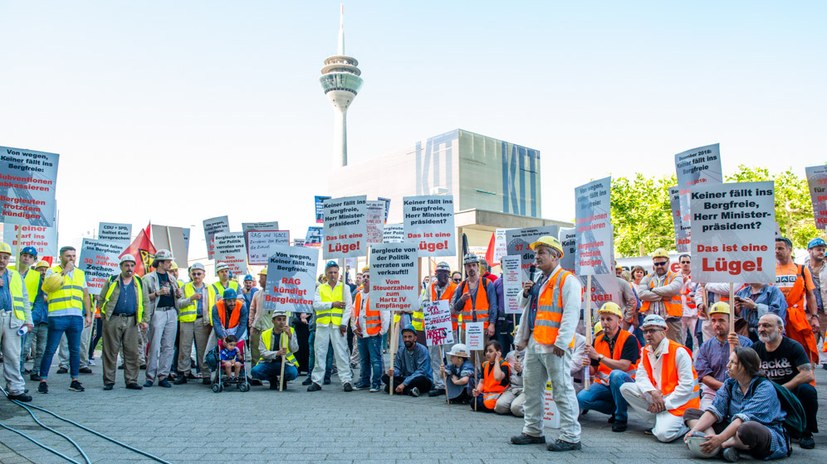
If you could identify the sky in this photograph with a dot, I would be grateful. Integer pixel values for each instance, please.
(174, 112)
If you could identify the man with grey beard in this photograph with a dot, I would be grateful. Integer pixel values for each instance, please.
(785, 362)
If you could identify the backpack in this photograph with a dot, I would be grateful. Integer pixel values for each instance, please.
(796, 421)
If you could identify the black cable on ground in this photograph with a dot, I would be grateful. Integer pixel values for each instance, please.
(51, 450)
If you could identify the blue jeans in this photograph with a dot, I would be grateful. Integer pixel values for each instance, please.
(370, 360)
(270, 370)
(328, 364)
(607, 399)
(72, 326)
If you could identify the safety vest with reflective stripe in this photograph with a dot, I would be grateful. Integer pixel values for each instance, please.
(669, 376)
(673, 304)
(373, 318)
(235, 315)
(18, 302)
(329, 295)
(267, 338)
(492, 388)
(219, 288)
(602, 347)
(32, 280)
(189, 313)
(115, 281)
(69, 295)
(479, 310)
(550, 309)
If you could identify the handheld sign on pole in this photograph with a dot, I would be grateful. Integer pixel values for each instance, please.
(212, 227)
(291, 279)
(29, 179)
(282, 345)
(429, 223)
(475, 335)
(698, 166)
(393, 279)
(817, 182)
(438, 323)
(99, 261)
(119, 234)
(231, 250)
(262, 243)
(682, 231)
(345, 228)
(517, 243)
(512, 284)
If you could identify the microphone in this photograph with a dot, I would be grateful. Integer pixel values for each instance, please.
(531, 270)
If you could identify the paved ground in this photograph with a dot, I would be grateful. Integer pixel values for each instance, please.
(189, 423)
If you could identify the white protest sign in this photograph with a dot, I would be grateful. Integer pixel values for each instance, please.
(551, 417)
(394, 283)
(393, 233)
(375, 211)
(517, 243)
(262, 243)
(438, 329)
(733, 233)
(568, 239)
(114, 232)
(595, 250)
(291, 279)
(605, 288)
(698, 166)
(269, 225)
(345, 227)
(212, 227)
(817, 181)
(43, 239)
(474, 335)
(429, 222)
(231, 250)
(172, 238)
(512, 283)
(313, 238)
(99, 261)
(500, 248)
(682, 232)
(27, 187)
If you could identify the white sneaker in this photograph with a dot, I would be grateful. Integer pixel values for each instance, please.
(91, 362)
(374, 389)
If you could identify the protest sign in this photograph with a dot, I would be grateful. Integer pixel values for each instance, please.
(517, 243)
(595, 250)
(231, 250)
(345, 227)
(568, 239)
(551, 416)
(682, 231)
(319, 204)
(375, 211)
(387, 202)
(99, 261)
(245, 226)
(262, 243)
(817, 181)
(291, 279)
(698, 166)
(213, 226)
(298, 242)
(175, 239)
(733, 232)
(116, 233)
(27, 187)
(43, 239)
(313, 238)
(500, 242)
(438, 329)
(429, 222)
(512, 283)
(605, 288)
(393, 233)
(394, 283)
(474, 335)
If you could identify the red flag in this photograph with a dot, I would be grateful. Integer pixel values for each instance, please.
(148, 230)
(489, 253)
(143, 251)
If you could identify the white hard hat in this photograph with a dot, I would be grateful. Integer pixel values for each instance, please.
(220, 267)
(694, 444)
(197, 266)
(127, 258)
(163, 255)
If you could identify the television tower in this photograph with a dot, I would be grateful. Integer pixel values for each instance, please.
(341, 82)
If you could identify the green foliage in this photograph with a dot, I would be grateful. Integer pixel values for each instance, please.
(642, 216)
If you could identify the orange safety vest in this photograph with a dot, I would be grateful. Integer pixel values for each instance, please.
(669, 376)
(797, 323)
(235, 315)
(471, 314)
(602, 347)
(373, 318)
(674, 305)
(492, 388)
(448, 294)
(550, 309)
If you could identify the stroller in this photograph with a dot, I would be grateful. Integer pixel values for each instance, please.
(219, 380)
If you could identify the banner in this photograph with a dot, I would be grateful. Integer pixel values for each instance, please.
(393, 233)
(43, 239)
(231, 250)
(319, 204)
(345, 227)
(817, 181)
(212, 227)
(99, 261)
(500, 248)
(517, 243)
(245, 226)
(733, 233)
(261, 244)
(438, 329)
(698, 166)
(429, 222)
(595, 249)
(568, 238)
(143, 251)
(27, 187)
(313, 238)
(291, 279)
(512, 283)
(474, 336)
(605, 288)
(175, 239)
(394, 282)
(375, 211)
(682, 231)
(116, 233)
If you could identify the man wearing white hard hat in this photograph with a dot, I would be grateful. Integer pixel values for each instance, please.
(15, 315)
(194, 323)
(163, 319)
(276, 345)
(665, 385)
(551, 311)
(123, 301)
(440, 288)
(222, 270)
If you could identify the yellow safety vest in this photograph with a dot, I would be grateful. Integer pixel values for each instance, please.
(70, 295)
(16, 292)
(417, 319)
(267, 338)
(219, 289)
(32, 280)
(329, 295)
(189, 313)
(115, 281)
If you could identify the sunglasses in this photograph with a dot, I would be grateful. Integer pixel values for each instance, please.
(685, 262)
(662, 263)
(197, 273)
(650, 331)
(457, 280)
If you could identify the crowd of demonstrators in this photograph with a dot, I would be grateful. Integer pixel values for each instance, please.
(662, 347)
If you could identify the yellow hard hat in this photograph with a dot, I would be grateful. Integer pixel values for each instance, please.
(598, 328)
(719, 308)
(174, 266)
(365, 269)
(549, 241)
(40, 264)
(263, 272)
(5, 248)
(610, 307)
(52, 283)
(660, 253)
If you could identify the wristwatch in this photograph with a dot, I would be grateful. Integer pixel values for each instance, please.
(600, 359)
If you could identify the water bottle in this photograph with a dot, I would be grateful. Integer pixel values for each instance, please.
(23, 330)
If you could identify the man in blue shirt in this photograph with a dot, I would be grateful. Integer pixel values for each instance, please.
(411, 367)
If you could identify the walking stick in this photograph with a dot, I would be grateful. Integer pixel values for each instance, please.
(587, 316)
(445, 377)
(394, 342)
(732, 303)
(283, 360)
